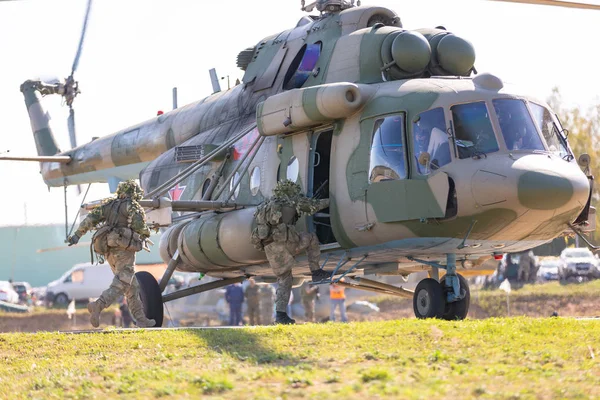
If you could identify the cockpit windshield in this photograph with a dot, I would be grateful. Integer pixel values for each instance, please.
(517, 126)
(554, 140)
(473, 130)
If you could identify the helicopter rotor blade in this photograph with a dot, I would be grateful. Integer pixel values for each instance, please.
(71, 126)
(556, 3)
(82, 38)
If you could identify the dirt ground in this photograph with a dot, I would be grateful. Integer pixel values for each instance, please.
(390, 308)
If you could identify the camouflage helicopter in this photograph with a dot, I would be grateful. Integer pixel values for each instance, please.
(428, 165)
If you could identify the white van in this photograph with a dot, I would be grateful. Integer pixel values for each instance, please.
(81, 282)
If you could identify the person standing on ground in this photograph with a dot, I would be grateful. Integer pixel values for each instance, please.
(234, 295)
(267, 304)
(309, 294)
(253, 301)
(337, 296)
(275, 233)
(121, 231)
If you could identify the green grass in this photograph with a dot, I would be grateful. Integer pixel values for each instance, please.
(494, 358)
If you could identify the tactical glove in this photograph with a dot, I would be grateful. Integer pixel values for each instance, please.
(74, 239)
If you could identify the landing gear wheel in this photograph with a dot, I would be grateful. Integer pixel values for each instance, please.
(457, 310)
(429, 299)
(151, 297)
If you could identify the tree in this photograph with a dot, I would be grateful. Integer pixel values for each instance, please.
(583, 133)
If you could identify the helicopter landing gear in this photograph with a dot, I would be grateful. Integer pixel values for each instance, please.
(428, 300)
(151, 297)
(447, 299)
(459, 309)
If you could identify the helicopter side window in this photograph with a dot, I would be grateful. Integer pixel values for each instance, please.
(473, 130)
(388, 159)
(543, 119)
(517, 126)
(430, 139)
(302, 66)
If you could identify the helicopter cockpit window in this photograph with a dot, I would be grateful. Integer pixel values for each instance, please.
(430, 141)
(517, 126)
(388, 159)
(302, 66)
(473, 130)
(543, 119)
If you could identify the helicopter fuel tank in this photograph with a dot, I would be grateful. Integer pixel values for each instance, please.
(212, 242)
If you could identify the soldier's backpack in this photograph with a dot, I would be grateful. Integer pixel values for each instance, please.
(100, 240)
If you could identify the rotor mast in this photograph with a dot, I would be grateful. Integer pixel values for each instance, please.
(329, 6)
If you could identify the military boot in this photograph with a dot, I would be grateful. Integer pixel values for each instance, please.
(320, 275)
(283, 319)
(144, 322)
(95, 308)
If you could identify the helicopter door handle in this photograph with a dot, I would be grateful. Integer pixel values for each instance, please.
(317, 159)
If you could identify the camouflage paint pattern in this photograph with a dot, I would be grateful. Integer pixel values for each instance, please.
(503, 197)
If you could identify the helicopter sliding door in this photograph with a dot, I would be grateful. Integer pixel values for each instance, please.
(319, 183)
(391, 194)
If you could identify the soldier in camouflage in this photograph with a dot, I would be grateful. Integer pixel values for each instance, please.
(275, 233)
(267, 303)
(253, 302)
(121, 231)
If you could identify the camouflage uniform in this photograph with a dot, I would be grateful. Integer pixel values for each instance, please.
(253, 302)
(267, 303)
(309, 296)
(121, 231)
(275, 233)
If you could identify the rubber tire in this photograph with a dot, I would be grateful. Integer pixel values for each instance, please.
(151, 297)
(457, 310)
(436, 296)
(64, 300)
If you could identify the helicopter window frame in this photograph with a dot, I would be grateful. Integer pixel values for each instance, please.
(557, 131)
(531, 139)
(255, 181)
(234, 182)
(375, 128)
(434, 147)
(205, 186)
(461, 152)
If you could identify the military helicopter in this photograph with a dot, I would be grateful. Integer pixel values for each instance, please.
(428, 164)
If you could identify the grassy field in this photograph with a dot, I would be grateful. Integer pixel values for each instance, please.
(494, 358)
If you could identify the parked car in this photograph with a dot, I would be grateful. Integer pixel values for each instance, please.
(8, 293)
(578, 262)
(549, 268)
(24, 290)
(82, 282)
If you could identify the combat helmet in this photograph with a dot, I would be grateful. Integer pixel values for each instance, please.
(131, 189)
(287, 190)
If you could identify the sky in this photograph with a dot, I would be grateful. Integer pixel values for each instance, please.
(136, 51)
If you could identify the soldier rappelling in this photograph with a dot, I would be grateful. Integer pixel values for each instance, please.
(276, 234)
(121, 231)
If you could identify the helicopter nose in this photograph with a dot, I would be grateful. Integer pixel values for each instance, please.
(551, 189)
